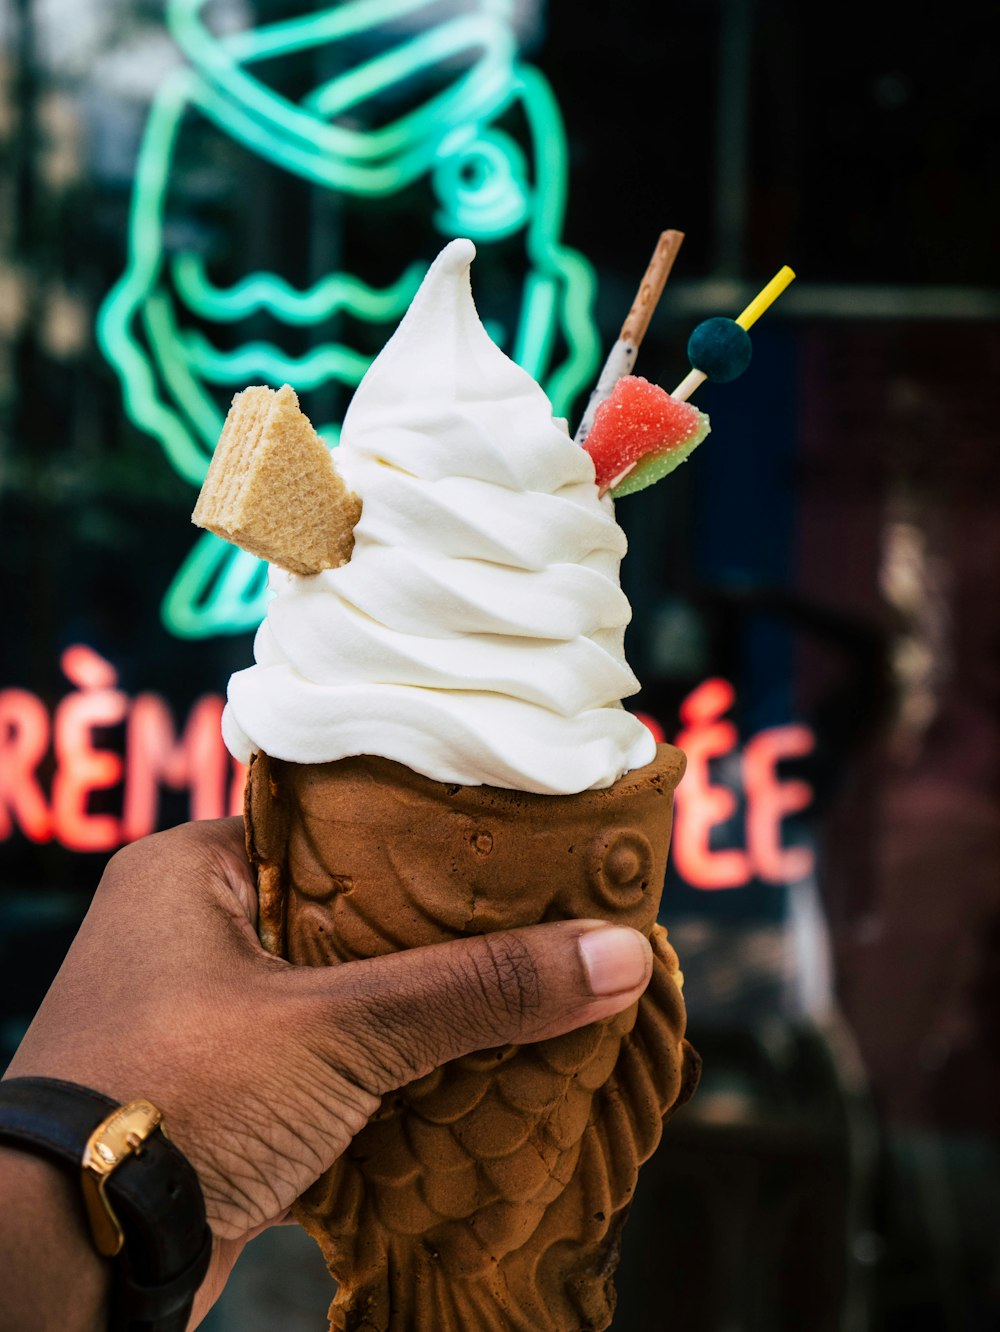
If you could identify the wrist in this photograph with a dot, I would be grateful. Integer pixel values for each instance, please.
(141, 1198)
(53, 1276)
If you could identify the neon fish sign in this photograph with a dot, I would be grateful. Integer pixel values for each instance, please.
(156, 755)
(437, 113)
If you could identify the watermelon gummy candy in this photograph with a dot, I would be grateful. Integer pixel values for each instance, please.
(642, 428)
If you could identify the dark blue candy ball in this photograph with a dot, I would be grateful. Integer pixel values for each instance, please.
(720, 348)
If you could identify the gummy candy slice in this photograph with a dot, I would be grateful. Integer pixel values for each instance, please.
(642, 428)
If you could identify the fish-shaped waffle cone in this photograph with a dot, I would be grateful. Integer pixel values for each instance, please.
(491, 1193)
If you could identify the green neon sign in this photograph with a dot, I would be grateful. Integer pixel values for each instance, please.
(479, 139)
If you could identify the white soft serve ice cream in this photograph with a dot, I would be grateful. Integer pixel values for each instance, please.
(476, 634)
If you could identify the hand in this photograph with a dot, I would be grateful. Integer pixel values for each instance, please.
(265, 1071)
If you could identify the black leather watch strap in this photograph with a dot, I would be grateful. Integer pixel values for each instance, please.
(155, 1195)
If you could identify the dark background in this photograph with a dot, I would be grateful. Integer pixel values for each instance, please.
(834, 551)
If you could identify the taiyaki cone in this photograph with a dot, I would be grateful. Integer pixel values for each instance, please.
(491, 1193)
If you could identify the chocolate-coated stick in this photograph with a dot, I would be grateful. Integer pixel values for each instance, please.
(622, 356)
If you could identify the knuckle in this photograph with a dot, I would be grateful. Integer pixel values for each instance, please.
(508, 976)
(374, 1047)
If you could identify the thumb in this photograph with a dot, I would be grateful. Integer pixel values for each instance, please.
(394, 1018)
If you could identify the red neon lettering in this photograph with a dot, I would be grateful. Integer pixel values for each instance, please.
(24, 739)
(155, 756)
(80, 768)
(86, 669)
(700, 805)
(770, 800)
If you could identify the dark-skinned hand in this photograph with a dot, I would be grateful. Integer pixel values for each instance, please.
(265, 1071)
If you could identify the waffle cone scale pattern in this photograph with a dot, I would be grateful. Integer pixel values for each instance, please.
(491, 1193)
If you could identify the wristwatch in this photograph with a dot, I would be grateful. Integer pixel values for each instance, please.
(142, 1197)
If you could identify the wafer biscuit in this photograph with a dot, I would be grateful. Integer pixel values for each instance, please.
(272, 487)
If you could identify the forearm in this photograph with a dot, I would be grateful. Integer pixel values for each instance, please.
(53, 1277)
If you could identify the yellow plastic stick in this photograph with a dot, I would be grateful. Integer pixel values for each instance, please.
(766, 297)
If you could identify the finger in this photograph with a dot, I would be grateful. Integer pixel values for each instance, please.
(406, 1013)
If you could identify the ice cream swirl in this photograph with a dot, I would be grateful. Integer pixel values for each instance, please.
(476, 634)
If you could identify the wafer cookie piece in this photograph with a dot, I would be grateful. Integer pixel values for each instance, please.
(272, 487)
